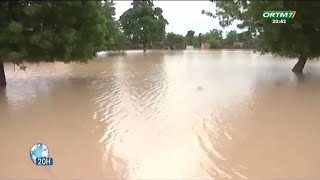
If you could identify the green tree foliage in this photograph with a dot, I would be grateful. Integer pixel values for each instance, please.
(143, 23)
(115, 39)
(195, 41)
(231, 37)
(214, 38)
(247, 39)
(120, 40)
(48, 31)
(201, 39)
(51, 31)
(208, 13)
(174, 41)
(111, 24)
(189, 37)
(243, 37)
(298, 38)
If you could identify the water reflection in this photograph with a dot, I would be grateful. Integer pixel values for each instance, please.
(164, 115)
(260, 136)
(140, 94)
(4, 110)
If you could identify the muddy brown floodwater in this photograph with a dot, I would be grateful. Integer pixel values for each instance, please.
(163, 115)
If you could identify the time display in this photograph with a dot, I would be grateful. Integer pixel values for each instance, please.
(279, 21)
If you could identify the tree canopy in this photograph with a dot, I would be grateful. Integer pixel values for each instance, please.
(174, 41)
(143, 23)
(116, 39)
(214, 38)
(297, 38)
(51, 30)
(35, 31)
(189, 37)
(231, 37)
(201, 39)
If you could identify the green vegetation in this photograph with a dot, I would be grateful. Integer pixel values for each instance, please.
(35, 31)
(115, 40)
(231, 38)
(214, 38)
(143, 23)
(190, 37)
(297, 38)
(200, 39)
(174, 41)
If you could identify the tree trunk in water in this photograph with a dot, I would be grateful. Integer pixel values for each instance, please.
(300, 64)
(144, 47)
(3, 81)
(144, 42)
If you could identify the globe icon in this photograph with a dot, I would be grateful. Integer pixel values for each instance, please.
(38, 150)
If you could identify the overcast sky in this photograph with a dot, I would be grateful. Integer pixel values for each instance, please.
(182, 15)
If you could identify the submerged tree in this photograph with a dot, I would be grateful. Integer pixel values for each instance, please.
(201, 39)
(143, 23)
(189, 37)
(214, 38)
(231, 38)
(174, 41)
(120, 40)
(34, 31)
(297, 38)
(115, 39)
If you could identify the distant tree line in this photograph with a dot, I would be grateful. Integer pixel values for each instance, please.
(213, 39)
(49, 31)
(35, 31)
(297, 38)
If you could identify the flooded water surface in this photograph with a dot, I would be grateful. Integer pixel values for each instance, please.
(163, 115)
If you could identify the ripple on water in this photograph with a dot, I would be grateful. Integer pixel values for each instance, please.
(153, 121)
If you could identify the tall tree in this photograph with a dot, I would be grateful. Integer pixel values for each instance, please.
(120, 40)
(201, 39)
(231, 37)
(115, 39)
(35, 31)
(111, 24)
(297, 38)
(143, 23)
(241, 37)
(195, 41)
(189, 37)
(174, 41)
(214, 38)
